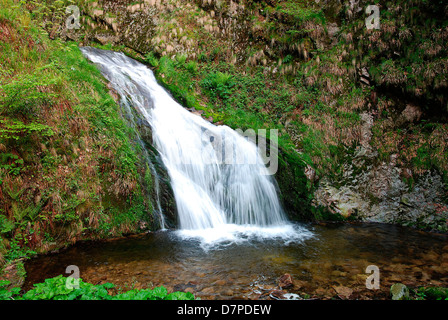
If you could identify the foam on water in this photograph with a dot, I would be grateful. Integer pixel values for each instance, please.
(215, 238)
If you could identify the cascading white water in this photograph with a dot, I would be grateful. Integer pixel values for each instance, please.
(215, 199)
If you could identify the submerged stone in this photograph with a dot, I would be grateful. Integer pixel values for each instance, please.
(285, 281)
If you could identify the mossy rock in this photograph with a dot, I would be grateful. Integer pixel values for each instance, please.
(399, 292)
(292, 183)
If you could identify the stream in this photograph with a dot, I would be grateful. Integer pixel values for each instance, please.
(327, 258)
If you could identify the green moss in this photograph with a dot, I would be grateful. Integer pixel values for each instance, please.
(66, 138)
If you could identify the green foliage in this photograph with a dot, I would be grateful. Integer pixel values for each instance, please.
(431, 293)
(301, 12)
(178, 295)
(11, 163)
(16, 129)
(181, 59)
(218, 85)
(176, 76)
(24, 94)
(57, 289)
(192, 67)
(50, 13)
(62, 137)
(159, 293)
(152, 59)
(5, 293)
(6, 225)
(16, 251)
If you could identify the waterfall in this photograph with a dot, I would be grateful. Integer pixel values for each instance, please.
(215, 199)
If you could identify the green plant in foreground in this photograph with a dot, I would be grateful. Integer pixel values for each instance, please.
(56, 289)
(431, 293)
(6, 294)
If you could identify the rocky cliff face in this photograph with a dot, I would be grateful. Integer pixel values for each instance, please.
(365, 109)
(379, 194)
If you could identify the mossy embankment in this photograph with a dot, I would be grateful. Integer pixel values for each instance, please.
(70, 166)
